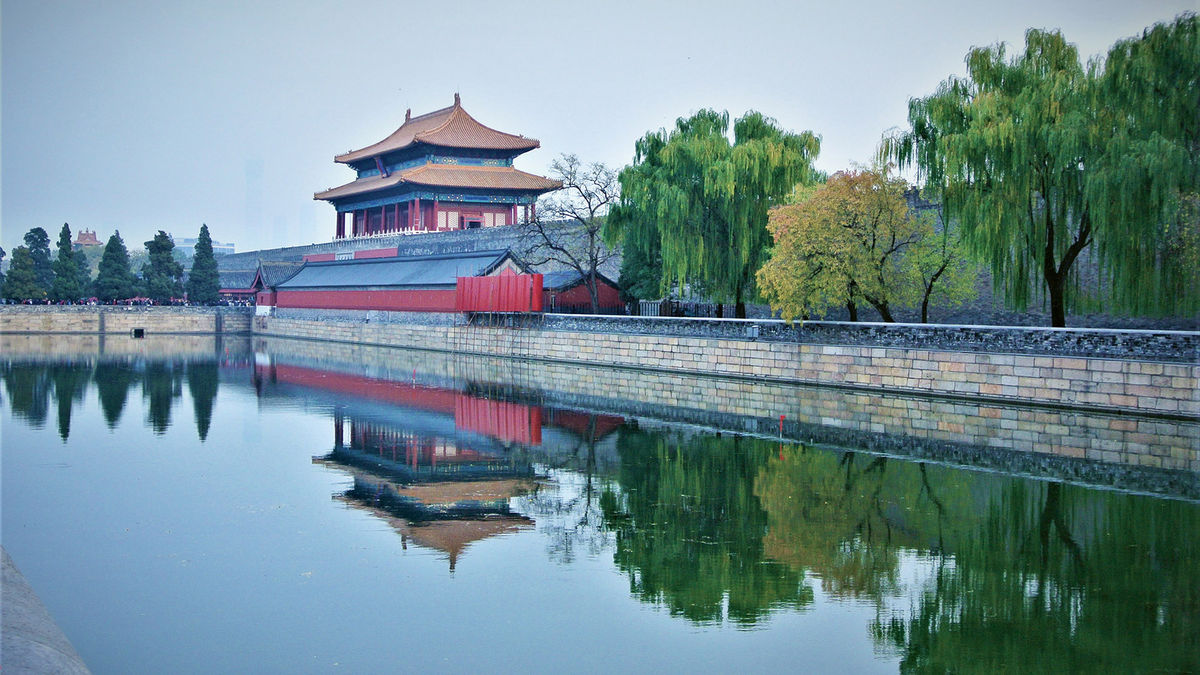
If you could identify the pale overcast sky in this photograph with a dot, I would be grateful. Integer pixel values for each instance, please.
(142, 116)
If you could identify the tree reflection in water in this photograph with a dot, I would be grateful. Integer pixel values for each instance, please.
(70, 384)
(30, 387)
(1024, 575)
(689, 528)
(203, 382)
(1017, 574)
(113, 382)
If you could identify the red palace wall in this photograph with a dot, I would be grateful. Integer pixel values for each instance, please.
(399, 301)
(578, 296)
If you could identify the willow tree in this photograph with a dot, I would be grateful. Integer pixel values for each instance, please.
(703, 200)
(1038, 157)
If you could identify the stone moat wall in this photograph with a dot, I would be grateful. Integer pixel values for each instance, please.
(121, 319)
(976, 433)
(1159, 374)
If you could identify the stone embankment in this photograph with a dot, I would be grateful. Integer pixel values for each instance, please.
(1010, 436)
(32, 641)
(123, 319)
(1149, 372)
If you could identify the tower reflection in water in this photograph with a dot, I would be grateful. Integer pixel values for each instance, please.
(440, 465)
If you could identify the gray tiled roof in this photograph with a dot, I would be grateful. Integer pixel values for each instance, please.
(235, 278)
(418, 271)
(564, 278)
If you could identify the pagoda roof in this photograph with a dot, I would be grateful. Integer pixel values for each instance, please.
(449, 127)
(449, 176)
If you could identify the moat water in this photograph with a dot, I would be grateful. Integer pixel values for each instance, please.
(226, 509)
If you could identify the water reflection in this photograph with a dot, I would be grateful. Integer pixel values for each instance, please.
(689, 527)
(30, 387)
(431, 490)
(960, 569)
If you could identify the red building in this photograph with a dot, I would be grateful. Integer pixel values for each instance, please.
(427, 283)
(439, 171)
(566, 291)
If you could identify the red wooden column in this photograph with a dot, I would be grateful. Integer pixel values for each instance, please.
(533, 211)
(435, 214)
(340, 232)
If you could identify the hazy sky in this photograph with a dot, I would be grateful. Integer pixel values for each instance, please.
(142, 116)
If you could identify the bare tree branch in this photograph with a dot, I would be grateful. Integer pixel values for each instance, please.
(567, 228)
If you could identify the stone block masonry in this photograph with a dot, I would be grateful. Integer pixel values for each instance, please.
(101, 319)
(1142, 382)
(1090, 446)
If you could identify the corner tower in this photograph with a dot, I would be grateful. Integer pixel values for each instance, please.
(439, 171)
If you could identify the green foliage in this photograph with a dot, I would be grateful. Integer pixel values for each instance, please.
(1038, 157)
(162, 275)
(703, 201)
(204, 284)
(641, 273)
(21, 282)
(38, 243)
(689, 528)
(114, 281)
(66, 284)
(3, 254)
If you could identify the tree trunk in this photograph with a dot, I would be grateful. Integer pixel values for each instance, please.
(720, 310)
(853, 309)
(593, 292)
(925, 306)
(1058, 301)
(885, 312)
(740, 306)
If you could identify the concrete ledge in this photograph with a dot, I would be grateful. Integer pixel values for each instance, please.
(32, 642)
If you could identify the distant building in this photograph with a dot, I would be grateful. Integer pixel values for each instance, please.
(439, 171)
(86, 238)
(188, 244)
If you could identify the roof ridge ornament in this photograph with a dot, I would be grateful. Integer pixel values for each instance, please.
(457, 100)
(407, 115)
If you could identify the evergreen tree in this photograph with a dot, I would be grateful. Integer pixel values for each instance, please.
(84, 272)
(114, 280)
(203, 284)
(38, 243)
(162, 275)
(21, 282)
(3, 253)
(66, 270)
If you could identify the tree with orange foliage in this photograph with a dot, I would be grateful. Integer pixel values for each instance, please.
(854, 240)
